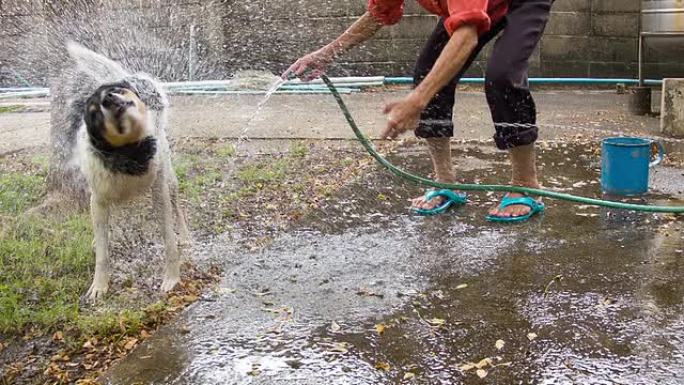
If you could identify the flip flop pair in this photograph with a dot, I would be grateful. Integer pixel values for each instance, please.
(454, 199)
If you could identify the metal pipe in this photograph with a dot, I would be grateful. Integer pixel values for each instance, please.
(572, 81)
(641, 59)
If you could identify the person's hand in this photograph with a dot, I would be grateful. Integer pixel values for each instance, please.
(402, 115)
(311, 66)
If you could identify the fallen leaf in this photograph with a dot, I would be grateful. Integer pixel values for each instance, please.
(467, 367)
(461, 286)
(384, 366)
(481, 373)
(499, 344)
(145, 334)
(335, 327)
(484, 363)
(409, 375)
(366, 292)
(190, 298)
(531, 336)
(380, 328)
(58, 337)
(339, 347)
(130, 344)
(436, 322)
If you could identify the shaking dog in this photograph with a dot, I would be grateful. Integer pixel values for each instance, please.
(123, 152)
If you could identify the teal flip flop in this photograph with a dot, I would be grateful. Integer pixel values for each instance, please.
(536, 207)
(451, 199)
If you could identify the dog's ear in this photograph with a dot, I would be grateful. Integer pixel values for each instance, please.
(148, 91)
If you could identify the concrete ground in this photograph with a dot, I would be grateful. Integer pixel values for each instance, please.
(579, 296)
(561, 114)
(361, 292)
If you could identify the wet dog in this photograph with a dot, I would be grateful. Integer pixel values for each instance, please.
(123, 152)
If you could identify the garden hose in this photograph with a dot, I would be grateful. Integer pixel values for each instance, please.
(487, 187)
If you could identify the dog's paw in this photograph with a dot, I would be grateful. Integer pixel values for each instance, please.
(169, 283)
(97, 291)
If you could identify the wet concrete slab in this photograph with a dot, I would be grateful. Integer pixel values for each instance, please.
(581, 295)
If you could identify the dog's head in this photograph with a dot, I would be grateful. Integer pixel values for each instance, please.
(115, 115)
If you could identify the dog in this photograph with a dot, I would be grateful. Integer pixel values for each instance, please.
(123, 152)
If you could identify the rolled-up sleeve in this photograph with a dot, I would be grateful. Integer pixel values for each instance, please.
(470, 12)
(386, 12)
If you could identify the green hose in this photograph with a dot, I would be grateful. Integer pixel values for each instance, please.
(486, 187)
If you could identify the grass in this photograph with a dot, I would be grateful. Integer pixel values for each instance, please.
(46, 264)
(19, 191)
(226, 151)
(10, 108)
(256, 176)
(299, 149)
(46, 267)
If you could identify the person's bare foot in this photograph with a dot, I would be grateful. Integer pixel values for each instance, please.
(421, 203)
(511, 211)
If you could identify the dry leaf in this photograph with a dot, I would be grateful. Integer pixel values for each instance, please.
(436, 322)
(368, 293)
(58, 337)
(467, 367)
(380, 328)
(499, 344)
(461, 286)
(145, 334)
(130, 344)
(339, 347)
(409, 375)
(384, 366)
(484, 363)
(531, 336)
(481, 373)
(335, 327)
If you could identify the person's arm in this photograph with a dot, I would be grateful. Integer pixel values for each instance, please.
(403, 115)
(363, 29)
(448, 64)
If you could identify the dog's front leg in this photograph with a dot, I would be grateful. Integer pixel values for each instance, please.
(100, 216)
(162, 202)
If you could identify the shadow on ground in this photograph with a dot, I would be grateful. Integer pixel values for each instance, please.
(360, 292)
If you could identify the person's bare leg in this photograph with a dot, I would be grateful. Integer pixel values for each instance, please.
(524, 173)
(440, 153)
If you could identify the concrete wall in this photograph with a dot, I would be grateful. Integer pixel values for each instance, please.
(595, 38)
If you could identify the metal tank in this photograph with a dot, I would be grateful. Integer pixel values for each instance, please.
(662, 28)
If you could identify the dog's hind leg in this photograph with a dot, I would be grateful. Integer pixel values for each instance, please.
(181, 219)
(164, 209)
(100, 216)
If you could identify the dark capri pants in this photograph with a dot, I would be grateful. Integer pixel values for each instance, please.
(506, 85)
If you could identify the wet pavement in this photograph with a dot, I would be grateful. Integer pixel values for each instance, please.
(581, 295)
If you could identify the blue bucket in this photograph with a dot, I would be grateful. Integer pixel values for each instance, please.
(625, 162)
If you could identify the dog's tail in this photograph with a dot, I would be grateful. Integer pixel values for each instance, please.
(94, 65)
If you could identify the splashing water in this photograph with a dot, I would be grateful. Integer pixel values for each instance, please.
(275, 85)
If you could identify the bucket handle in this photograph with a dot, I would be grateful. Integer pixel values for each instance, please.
(661, 153)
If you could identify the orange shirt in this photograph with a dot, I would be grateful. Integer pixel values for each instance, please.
(480, 13)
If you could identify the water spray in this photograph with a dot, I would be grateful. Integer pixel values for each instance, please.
(366, 143)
